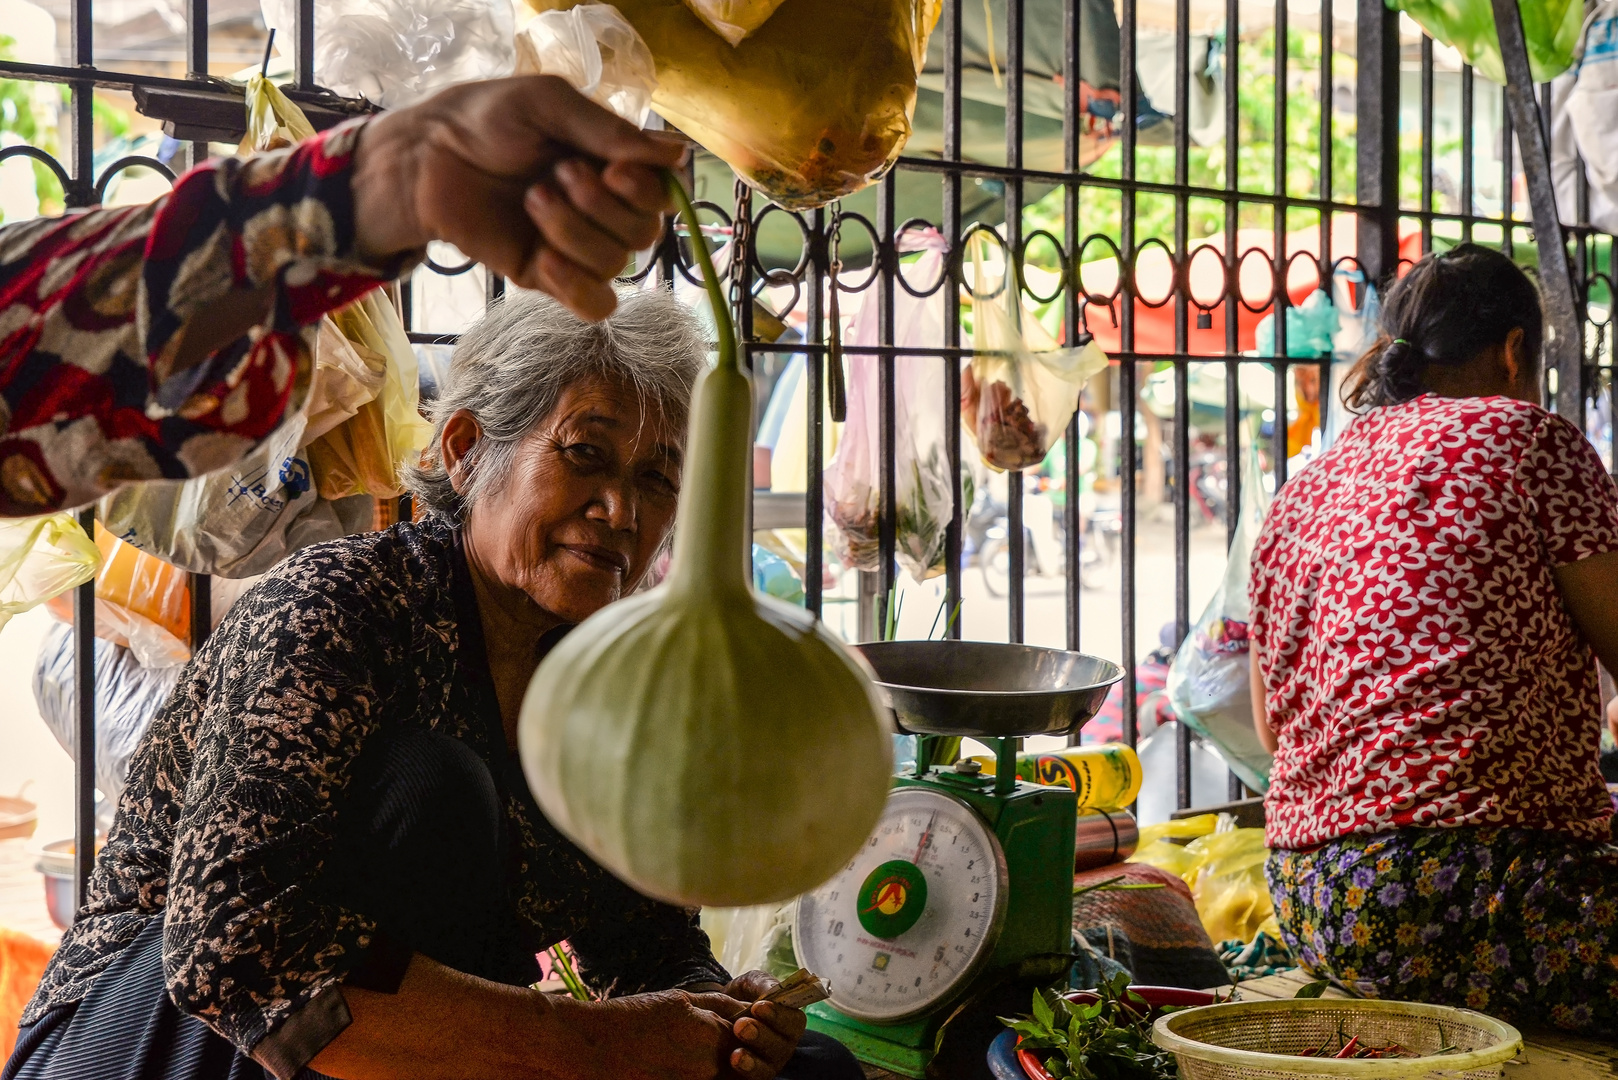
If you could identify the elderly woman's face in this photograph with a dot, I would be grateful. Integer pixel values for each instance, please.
(587, 503)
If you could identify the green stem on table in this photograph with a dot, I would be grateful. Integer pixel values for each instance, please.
(563, 965)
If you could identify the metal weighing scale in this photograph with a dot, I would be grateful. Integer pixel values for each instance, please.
(965, 875)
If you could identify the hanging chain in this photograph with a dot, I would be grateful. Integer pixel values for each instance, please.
(838, 385)
(741, 249)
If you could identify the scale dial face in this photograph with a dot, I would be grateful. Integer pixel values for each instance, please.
(912, 916)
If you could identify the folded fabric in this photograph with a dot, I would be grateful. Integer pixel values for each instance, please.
(1155, 933)
(1255, 959)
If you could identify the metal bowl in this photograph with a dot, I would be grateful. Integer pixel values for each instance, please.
(984, 688)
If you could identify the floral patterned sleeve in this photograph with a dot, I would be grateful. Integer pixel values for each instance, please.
(94, 306)
(1570, 497)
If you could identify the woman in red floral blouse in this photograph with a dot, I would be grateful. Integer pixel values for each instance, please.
(1430, 599)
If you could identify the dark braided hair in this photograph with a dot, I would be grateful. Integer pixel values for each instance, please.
(1447, 310)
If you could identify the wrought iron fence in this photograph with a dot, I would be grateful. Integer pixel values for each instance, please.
(1087, 211)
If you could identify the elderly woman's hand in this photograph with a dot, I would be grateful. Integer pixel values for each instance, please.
(768, 1032)
(523, 174)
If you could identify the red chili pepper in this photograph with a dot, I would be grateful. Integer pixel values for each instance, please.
(1349, 1047)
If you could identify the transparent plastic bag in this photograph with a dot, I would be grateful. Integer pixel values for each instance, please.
(600, 55)
(814, 105)
(395, 52)
(1209, 683)
(923, 490)
(273, 121)
(1551, 27)
(733, 20)
(742, 938)
(142, 604)
(127, 697)
(1021, 389)
(41, 558)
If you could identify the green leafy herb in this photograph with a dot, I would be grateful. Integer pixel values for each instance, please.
(1106, 1040)
(1314, 989)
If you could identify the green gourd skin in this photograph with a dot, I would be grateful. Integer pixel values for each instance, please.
(709, 745)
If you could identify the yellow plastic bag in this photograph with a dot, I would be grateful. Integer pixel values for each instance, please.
(362, 455)
(142, 603)
(1021, 388)
(41, 558)
(1224, 869)
(813, 105)
(364, 398)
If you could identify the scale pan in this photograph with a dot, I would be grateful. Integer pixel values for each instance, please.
(988, 689)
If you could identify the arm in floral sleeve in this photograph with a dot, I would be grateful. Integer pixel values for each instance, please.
(634, 945)
(96, 385)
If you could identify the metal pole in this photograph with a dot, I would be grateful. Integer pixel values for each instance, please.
(1564, 326)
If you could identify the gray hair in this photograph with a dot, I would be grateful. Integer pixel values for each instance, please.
(512, 366)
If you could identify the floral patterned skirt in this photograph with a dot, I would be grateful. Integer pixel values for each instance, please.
(1512, 922)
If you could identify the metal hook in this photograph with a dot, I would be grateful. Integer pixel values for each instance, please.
(838, 384)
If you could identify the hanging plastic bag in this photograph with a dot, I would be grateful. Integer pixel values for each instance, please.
(365, 393)
(41, 558)
(1209, 682)
(238, 522)
(362, 454)
(127, 696)
(1021, 389)
(395, 52)
(733, 20)
(594, 48)
(1551, 27)
(923, 491)
(142, 603)
(1568, 161)
(813, 105)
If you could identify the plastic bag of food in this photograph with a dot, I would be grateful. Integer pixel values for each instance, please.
(41, 558)
(813, 105)
(1551, 27)
(600, 55)
(923, 490)
(733, 20)
(362, 454)
(1209, 683)
(1224, 867)
(273, 121)
(1021, 389)
(395, 52)
(240, 521)
(127, 697)
(142, 604)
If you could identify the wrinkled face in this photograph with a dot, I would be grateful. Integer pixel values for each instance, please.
(586, 504)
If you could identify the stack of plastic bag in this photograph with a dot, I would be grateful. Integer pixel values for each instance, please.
(41, 558)
(1021, 388)
(808, 100)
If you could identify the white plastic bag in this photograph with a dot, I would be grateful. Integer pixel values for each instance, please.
(921, 467)
(594, 48)
(1592, 104)
(396, 52)
(41, 558)
(1209, 683)
(238, 522)
(743, 937)
(128, 695)
(733, 20)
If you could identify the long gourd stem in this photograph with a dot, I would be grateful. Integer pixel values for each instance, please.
(723, 327)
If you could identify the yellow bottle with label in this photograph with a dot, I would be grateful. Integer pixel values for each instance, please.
(1105, 776)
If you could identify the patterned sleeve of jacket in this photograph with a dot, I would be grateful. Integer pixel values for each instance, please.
(252, 946)
(636, 945)
(94, 306)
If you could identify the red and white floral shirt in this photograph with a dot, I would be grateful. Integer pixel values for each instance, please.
(1420, 668)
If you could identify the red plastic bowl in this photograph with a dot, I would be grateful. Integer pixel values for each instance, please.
(1155, 997)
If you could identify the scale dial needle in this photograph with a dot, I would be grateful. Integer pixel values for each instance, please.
(926, 835)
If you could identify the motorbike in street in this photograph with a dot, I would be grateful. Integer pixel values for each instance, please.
(1098, 554)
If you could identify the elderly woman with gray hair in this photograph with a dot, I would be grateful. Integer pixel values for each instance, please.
(326, 860)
